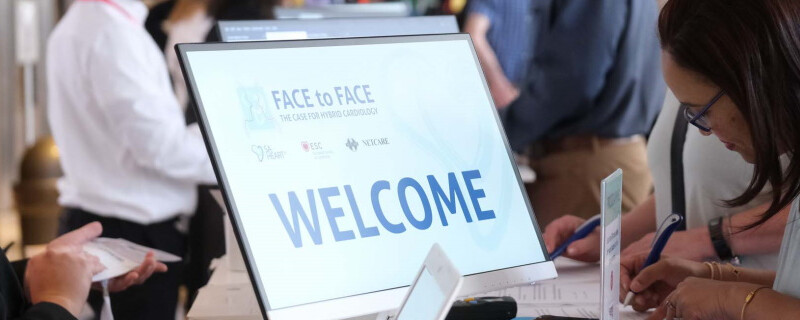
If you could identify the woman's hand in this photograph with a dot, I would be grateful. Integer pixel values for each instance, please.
(655, 282)
(558, 231)
(136, 276)
(63, 273)
(699, 299)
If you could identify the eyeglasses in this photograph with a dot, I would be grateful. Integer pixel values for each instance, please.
(699, 119)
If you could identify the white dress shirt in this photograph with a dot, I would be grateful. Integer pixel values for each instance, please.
(125, 149)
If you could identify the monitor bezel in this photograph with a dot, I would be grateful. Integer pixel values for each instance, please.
(450, 19)
(370, 302)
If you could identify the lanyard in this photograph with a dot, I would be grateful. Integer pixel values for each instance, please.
(117, 7)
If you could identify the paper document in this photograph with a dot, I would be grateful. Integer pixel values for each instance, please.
(567, 311)
(554, 294)
(577, 311)
(120, 256)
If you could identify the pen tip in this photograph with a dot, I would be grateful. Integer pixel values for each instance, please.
(628, 299)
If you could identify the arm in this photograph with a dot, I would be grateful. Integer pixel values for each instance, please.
(503, 91)
(759, 240)
(578, 47)
(695, 244)
(767, 304)
(639, 221)
(697, 298)
(635, 223)
(58, 280)
(669, 276)
(143, 114)
(46, 311)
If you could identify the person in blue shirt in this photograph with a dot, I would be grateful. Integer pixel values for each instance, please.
(500, 31)
(593, 90)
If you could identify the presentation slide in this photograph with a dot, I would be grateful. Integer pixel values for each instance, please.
(347, 163)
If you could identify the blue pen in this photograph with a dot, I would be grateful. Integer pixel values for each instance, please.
(662, 236)
(584, 230)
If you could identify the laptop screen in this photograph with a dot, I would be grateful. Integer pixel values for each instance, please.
(344, 160)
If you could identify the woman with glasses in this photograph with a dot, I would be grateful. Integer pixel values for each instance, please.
(735, 64)
(711, 173)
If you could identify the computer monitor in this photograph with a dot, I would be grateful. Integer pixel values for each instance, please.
(350, 10)
(259, 30)
(342, 161)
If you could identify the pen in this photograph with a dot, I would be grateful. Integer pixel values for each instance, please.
(659, 242)
(584, 230)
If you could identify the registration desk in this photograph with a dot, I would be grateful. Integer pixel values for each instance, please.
(576, 292)
(229, 294)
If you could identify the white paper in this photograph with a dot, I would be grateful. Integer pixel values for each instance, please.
(135, 252)
(585, 311)
(120, 256)
(559, 294)
(115, 264)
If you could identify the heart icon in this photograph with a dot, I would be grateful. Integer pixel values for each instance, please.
(259, 151)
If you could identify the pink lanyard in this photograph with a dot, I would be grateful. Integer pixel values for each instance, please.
(115, 6)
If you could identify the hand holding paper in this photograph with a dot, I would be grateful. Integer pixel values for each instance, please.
(62, 274)
(122, 257)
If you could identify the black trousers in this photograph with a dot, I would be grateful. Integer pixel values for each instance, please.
(157, 298)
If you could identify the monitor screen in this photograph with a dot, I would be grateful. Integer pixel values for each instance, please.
(346, 10)
(258, 30)
(343, 161)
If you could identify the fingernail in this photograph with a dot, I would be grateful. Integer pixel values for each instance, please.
(635, 285)
(640, 300)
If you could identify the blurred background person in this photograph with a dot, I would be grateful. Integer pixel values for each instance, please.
(129, 159)
(178, 21)
(592, 92)
(501, 34)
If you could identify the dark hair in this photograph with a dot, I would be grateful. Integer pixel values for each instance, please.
(242, 9)
(750, 49)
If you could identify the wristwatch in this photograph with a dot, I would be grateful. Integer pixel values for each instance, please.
(721, 246)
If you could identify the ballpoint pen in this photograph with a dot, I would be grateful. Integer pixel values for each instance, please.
(659, 242)
(584, 230)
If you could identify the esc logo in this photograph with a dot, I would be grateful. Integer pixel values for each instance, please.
(309, 146)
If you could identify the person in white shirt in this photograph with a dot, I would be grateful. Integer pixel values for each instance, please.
(128, 158)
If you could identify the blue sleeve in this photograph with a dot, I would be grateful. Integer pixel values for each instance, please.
(576, 48)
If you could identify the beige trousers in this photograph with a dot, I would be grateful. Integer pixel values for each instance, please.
(568, 183)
